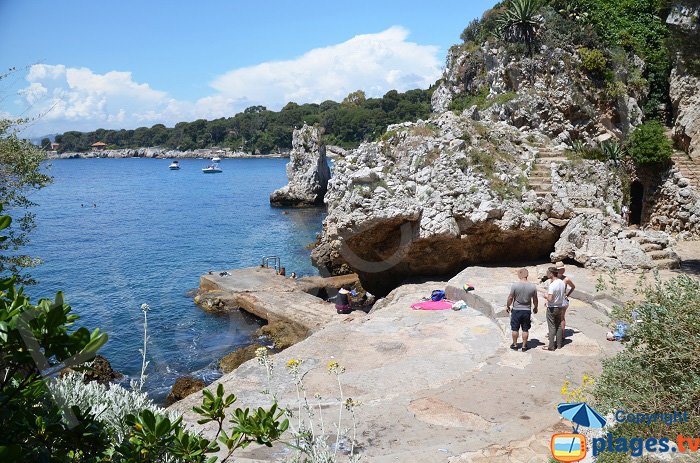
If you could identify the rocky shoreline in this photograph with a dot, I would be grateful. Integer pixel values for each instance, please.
(162, 153)
(417, 372)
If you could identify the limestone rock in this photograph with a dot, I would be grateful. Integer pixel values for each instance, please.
(233, 360)
(599, 241)
(545, 92)
(99, 370)
(184, 386)
(420, 204)
(684, 86)
(308, 171)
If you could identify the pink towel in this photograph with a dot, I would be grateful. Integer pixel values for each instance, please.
(433, 305)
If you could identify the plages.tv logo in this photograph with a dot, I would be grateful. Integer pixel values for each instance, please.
(568, 447)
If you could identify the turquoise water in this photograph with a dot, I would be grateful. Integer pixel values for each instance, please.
(150, 235)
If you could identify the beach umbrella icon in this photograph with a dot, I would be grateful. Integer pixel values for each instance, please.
(581, 414)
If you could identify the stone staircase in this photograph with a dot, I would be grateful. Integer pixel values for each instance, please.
(688, 167)
(663, 257)
(540, 179)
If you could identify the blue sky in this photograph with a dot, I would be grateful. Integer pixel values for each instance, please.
(128, 63)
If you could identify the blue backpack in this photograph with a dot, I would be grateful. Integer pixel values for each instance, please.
(437, 295)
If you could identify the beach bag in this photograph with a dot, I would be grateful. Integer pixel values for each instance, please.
(621, 331)
(437, 295)
(460, 305)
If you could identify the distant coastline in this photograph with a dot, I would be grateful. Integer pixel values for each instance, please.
(161, 153)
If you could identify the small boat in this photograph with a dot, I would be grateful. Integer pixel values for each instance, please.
(212, 169)
(216, 159)
(175, 165)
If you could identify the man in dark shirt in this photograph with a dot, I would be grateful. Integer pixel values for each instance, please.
(523, 296)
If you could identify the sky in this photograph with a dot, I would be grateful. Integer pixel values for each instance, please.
(83, 65)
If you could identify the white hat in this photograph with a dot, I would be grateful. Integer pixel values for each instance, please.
(343, 291)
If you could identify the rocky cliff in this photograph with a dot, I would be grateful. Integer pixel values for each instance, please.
(548, 92)
(685, 84)
(435, 196)
(490, 177)
(160, 153)
(308, 171)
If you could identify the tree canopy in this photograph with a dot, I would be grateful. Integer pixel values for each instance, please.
(258, 130)
(21, 173)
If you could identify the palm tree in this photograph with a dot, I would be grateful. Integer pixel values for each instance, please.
(520, 22)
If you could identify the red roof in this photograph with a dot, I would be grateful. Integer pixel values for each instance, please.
(99, 143)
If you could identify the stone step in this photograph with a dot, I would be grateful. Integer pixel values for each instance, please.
(641, 240)
(660, 254)
(587, 210)
(648, 247)
(666, 264)
(552, 159)
(540, 186)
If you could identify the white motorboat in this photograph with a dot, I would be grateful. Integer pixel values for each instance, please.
(212, 169)
(175, 165)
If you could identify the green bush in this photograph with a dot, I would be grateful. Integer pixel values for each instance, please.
(659, 370)
(637, 26)
(472, 33)
(463, 102)
(593, 61)
(648, 144)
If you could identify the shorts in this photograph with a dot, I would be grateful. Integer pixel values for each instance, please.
(520, 319)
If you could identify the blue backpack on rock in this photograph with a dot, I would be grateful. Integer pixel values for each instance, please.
(437, 295)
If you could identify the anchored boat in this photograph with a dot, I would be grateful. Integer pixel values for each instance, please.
(212, 169)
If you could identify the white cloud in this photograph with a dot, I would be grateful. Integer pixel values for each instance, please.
(79, 99)
(375, 63)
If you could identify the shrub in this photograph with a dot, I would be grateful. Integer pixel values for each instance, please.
(648, 144)
(520, 22)
(472, 33)
(593, 61)
(463, 102)
(612, 151)
(614, 89)
(110, 405)
(501, 98)
(637, 26)
(659, 371)
(561, 31)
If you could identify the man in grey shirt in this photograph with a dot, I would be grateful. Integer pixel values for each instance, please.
(523, 296)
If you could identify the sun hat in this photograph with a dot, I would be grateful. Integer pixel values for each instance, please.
(559, 265)
(343, 291)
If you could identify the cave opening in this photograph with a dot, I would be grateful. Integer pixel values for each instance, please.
(636, 203)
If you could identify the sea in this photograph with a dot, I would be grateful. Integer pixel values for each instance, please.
(114, 234)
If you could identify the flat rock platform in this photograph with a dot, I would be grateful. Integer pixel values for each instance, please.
(434, 386)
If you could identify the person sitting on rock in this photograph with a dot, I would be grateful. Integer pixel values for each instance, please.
(293, 276)
(343, 301)
(523, 295)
